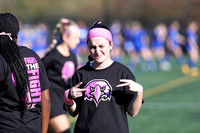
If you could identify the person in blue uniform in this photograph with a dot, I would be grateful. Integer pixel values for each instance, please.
(159, 46)
(192, 47)
(141, 42)
(174, 45)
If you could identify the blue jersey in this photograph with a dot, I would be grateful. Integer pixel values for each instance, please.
(173, 37)
(157, 41)
(190, 35)
(139, 39)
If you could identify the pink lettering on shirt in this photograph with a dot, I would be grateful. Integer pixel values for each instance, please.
(34, 82)
(36, 92)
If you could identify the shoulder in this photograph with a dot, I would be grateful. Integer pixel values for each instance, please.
(51, 53)
(25, 51)
(123, 70)
(85, 68)
(50, 56)
(118, 65)
(72, 54)
(29, 55)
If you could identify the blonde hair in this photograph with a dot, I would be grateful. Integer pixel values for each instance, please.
(62, 27)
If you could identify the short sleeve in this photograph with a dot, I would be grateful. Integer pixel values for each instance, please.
(45, 84)
(73, 81)
(47, 60)
(128, 95)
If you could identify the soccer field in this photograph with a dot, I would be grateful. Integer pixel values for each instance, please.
(171, 103)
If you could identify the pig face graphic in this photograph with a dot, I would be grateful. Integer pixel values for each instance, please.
(98, 90)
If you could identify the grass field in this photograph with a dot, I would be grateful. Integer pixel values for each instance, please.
(172, 103)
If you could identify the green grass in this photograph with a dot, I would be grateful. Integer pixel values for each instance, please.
(172, 107)
(173, 111)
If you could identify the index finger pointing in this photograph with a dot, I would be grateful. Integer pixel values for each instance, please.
(83, 90)
(78, 85)
(124, 80)
(122, 85)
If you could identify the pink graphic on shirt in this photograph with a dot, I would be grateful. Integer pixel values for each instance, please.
(34, 93)
(68, 70)
(13, 79)
(98, 90)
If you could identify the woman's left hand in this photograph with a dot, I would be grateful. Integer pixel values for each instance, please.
(130, 85)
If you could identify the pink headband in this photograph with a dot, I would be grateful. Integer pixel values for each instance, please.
(99, 32)
(7, 34)
(65, 21)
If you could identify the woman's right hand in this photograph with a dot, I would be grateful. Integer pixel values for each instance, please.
(76, 92)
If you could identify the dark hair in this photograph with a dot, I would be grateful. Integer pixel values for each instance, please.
(10, 51)
(89, 59)
(98, 24)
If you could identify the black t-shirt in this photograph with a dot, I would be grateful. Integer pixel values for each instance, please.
(102, 109)
(59, 70)
(11, 119)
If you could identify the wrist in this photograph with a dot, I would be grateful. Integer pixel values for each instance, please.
(68, 99)
(69, 94)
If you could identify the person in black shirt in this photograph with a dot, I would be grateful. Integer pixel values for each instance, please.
(60, 64)
(102, 91)
(24, 93)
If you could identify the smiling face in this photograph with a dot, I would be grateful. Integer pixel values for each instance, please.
(99, 49)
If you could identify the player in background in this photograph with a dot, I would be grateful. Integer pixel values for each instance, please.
(174, 42)
(60, 64)
(159, 46)
(192, 47)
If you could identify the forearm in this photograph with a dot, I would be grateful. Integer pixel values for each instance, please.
(46, 106)
(135, 105)
(71, 94)
(71, 109)
(70, 105)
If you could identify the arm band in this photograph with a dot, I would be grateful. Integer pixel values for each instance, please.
(69, 102)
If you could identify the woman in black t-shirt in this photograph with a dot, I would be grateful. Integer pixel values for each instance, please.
(24, 93)
(60, 64)
(103, 91)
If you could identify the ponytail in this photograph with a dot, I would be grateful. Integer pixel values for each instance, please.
(61, 27)
(89, 60)
(10, 51)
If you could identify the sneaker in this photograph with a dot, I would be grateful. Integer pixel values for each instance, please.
(185, 69)
(194, 72)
